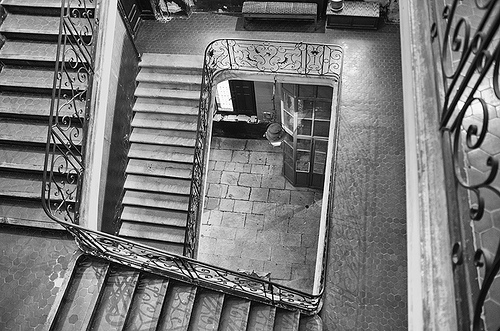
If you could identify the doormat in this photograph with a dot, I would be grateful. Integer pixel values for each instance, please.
(281, 26)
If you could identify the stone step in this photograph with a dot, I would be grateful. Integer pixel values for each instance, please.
(165, 121)
(158, 184)
(152, 232)
(158, 168)
(28, 52)
(163, 137)
(149, 297)
(20, 26)
(154, 216)
(234, 314)
(39, 79)
(161, 153)
(172, 81)
(25, 158)
(26, 212)
(79, 301)
(32, 133)
(286, 320)
(174, 97)
(151, 105)
(156, 200)
(13, 131)
(207, 303)
(26, 186)
(112, 309)
(178, 307)
(171, 63)
(170, 247)
(261, 317)
(31, 105)
(42, 7)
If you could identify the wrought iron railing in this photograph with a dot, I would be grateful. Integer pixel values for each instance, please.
(74, 69)
(181, 268)
(469, 50)
(276, 57)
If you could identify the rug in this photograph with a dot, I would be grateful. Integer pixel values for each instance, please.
(281, 26)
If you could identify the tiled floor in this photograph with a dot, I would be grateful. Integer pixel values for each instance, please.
(254, 220)
(33, 265)
(366, 280)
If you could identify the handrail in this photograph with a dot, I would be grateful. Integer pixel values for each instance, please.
(74, 69)
(276, 57)
(126, 252)
(469, 58)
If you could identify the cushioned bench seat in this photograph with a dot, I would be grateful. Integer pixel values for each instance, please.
(279, 10)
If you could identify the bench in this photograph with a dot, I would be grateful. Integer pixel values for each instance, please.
(279, 10)
(355, 14)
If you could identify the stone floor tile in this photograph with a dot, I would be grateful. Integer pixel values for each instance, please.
(214, 176)
(230, 177)
(242, 206)
(264, 208)
(226, 205)
(217, 190)
(212, 203)
(238, 193)
(240, 156)
(221, 154)
(279, 271)
(260, 169)
(258, 158)
(254, 221)
(233, 220)
(215, 217)
(273, 181)
(259, 146)
(259, 194)
(219, 165)
(292, 239)
(250, 180)
(301, 198)
(279, 196)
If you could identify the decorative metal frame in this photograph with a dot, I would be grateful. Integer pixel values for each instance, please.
(274, 57)
(69, 110)
(476, 62)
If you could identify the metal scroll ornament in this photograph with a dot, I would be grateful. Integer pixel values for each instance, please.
(471, 64)
(69, 110)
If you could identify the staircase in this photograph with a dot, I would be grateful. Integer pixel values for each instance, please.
(29, 32)
(98, 295)
(163, 135)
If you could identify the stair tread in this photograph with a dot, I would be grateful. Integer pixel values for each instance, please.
(159, 168)
(147, 303)
(166, 93)
(154, 216)
(26, 186)
(163, 137)
(165, 121)
(286, 320)
(153, 106)
(111, 311)
(261, 317)
(16, 211)
(44, 3)
(158, 184)
(156, 200)
(26, 104)
(234, 314)
(152, 231)
(174, 248)
(206, 311)
(22, 158)
(171, 60)
(35, 78)
(76, 307)
(178, 307)
(29, 50)
(161, 78)
(25, 132)
(161, 152)
(33, 24)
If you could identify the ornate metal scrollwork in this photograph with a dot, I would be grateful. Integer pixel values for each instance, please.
(74, 69)
(252, 56)
(470, 58)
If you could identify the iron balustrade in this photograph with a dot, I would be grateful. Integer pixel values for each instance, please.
(149, 259)
(273, 57)
(69, 109)
(470, 63)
